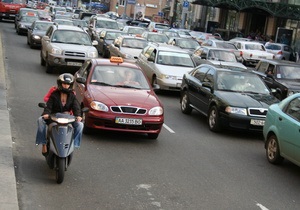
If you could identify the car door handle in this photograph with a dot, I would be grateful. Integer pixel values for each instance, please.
(280, 119)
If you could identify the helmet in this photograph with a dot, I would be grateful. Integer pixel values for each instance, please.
(66, 79)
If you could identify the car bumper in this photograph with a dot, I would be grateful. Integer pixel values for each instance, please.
(240, 122)
(168, 84)
(64, 61)
(106, 121)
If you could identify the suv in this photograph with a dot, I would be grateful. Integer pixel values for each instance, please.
(281, 76)
(98, 23)
(67, 47)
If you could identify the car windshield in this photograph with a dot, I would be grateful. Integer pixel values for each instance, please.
(135, 30)
(134, 43)
(29, 19)
(160, 38)
(254, 47)
(288, 72)
(80, 23)
(112, 35)
(188, 43)
(116, 75)
(171, 34)
(221, 55)
(64, 22)
(225, 45)
(174, 59)
(237, 82)
(107, 24)
(161, 26)
(273, 47)
(71, 37)
(42, 26)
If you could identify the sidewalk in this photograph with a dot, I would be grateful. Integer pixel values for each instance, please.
(8, 192)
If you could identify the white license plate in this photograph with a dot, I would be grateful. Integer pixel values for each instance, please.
(74, 64)
(128, 121)
(264, 57)
(257, 122)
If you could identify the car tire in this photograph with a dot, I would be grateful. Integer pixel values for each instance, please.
(43, 62)
(185, 103)
(49, 69)
(153, 135)
(213, 119)
(272, 150)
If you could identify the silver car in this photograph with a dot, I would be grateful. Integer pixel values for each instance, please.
(67, 47)
(165, 65)
(281, 51)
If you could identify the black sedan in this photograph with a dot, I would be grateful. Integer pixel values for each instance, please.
(230, 99)
(36, 31)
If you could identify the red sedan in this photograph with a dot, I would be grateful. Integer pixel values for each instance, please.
(119, 97)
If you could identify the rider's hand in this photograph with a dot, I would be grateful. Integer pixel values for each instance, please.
(78, 119)
(46, 116)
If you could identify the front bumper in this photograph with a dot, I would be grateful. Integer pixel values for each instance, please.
(65, 61)
(106, 121)
(169, 84)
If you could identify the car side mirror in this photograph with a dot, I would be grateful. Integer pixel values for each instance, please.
(207, 85)
(80, 80)
(150, 59)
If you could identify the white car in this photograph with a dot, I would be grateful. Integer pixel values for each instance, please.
(252, 52)
(165, 65)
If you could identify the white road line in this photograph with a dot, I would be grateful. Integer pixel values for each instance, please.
(262, 207)
(168, 128)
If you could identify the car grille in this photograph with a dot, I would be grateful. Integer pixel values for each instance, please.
(74, 54)
(128, 110)
(257, 112)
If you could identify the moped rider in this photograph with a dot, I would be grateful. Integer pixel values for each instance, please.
(61, 100)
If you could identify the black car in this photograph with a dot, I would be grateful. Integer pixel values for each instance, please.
(36, 31)
(282, 77)
(229, 99)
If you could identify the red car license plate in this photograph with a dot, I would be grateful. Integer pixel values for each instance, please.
(128, 121)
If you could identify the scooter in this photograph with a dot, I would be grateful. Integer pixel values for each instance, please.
(60, 142)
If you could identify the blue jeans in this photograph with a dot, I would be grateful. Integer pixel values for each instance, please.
(42, 130)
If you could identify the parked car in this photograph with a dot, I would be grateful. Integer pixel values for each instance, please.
(165, 65)
(229, 99)
(281, 131)
(281, 51)
(66, 47)
(127, 47)
(217, 56)
(114, 104)
(105, 38)
(155, 37)
(36, 31)
(283, 77)
(252, 52)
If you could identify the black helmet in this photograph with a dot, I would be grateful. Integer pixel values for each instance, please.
(67, 79)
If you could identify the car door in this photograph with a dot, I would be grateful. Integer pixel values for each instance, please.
(263, 67)
(205, 93)
(288, 125)
(143, 62)
(80, 88)
(46, 43)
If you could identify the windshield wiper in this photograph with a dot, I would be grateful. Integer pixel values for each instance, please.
(127, 86)
(101, 83)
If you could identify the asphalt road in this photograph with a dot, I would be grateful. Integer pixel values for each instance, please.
(188, 167)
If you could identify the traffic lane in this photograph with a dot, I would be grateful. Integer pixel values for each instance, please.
(127, 170)
(234, 162)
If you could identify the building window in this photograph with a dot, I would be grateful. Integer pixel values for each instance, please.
(122, 2)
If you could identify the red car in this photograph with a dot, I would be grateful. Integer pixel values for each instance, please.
(119, 97)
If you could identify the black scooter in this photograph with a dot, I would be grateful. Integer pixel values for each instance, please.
(60, 142)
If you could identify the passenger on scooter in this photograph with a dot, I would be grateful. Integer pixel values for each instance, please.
(60, 100)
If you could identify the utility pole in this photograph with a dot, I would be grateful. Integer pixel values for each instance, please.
(174, 17)
(125, 8)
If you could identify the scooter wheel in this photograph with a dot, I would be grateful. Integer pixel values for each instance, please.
(60, 169)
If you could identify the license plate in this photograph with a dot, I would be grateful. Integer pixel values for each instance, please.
(12, 15)
(74, 64)
(264, 57)
(128, 121)
(257, 122)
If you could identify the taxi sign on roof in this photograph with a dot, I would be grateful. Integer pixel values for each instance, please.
(114, 59)
(30, 14)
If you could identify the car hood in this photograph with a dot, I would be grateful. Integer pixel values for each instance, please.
(131, 51)
(39, 32)
(247, 99)
(290, 83)
(112, 96)
(74, 47)
(178, 71)
(232, 64)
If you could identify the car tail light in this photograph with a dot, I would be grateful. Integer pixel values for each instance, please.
(154, 30)
(241, 53)
(279, 53)
(251, 55)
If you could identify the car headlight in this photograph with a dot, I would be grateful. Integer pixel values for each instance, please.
(56, 51)
(169, 77)
(93, 54)
(236, 110)
(156, 111)
(22, 26)
(36, 37)
(99, 106)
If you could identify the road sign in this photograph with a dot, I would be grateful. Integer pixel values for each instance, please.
(161, 14)
(186, 4)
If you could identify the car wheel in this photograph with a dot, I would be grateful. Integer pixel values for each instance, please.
(49, 69)
(213, 119)
(185, 104)
(153, 135)
(272, 150)
(86, 130)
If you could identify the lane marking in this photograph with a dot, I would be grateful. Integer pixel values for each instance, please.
(168, 128)
(262, 207)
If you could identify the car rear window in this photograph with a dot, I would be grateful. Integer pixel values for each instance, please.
(273, 47)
